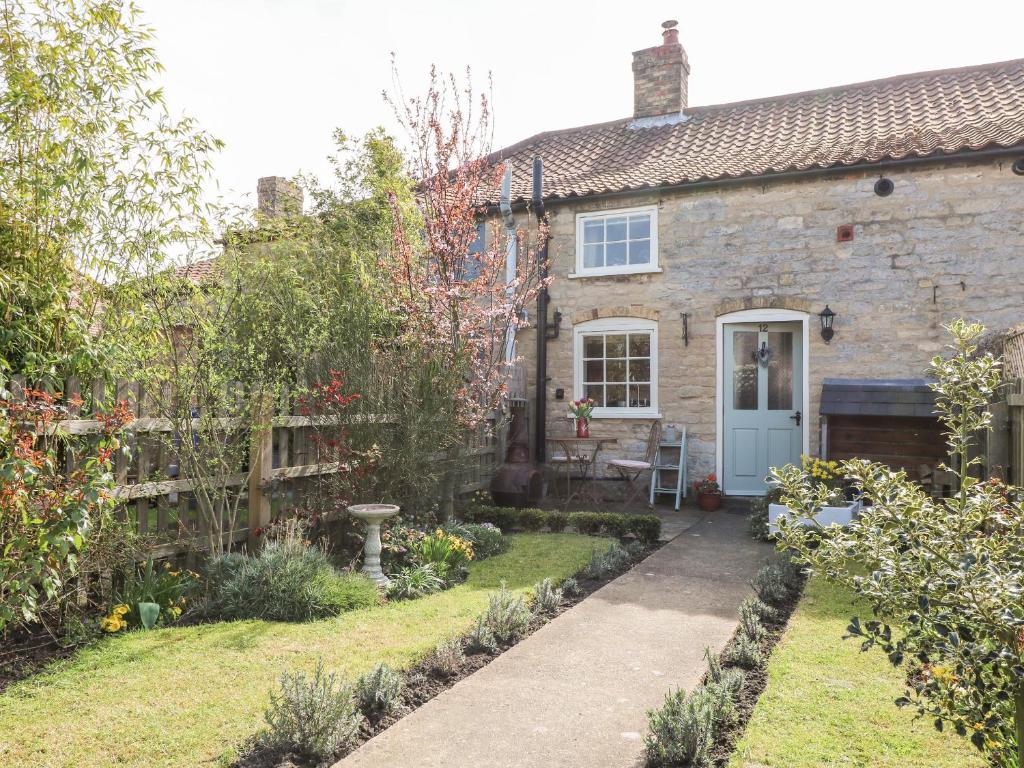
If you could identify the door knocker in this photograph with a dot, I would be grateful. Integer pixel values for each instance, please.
(763, 355)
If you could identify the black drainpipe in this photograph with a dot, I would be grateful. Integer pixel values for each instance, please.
(541, 386)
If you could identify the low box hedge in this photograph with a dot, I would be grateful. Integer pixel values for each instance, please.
(645, 528)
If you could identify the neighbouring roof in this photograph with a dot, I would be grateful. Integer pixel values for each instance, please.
(877, 397)
(924, 114)
(198, 271)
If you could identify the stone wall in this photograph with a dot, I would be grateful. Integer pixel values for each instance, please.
(948, 241)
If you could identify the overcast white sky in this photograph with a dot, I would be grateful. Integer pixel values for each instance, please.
(273, 78)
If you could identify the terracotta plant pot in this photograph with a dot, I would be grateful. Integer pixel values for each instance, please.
(709, 502)
(582, 427)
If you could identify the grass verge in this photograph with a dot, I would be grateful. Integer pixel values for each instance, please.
(189, 695)
(829, 704)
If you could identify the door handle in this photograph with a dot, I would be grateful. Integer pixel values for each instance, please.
(796, 417)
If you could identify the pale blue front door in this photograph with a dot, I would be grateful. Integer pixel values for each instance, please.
(762, 396)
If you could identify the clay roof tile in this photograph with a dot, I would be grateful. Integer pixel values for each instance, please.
(928, 113)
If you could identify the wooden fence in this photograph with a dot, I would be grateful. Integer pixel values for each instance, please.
(1002, 447)
(284, 458)
(1007, 445)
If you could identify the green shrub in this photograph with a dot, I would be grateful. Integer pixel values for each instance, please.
(635, 549)
(486, 513)
(315, 715)
(757, 526)
(53, 521)
(378, 692)
(532, 519)
(506, 518)
(448, 553)
(750, 619)
(222, 567)
(288, 580)
(764, 611)
(730, 679)
(412, 583)
(646, 528)
(557, 521)
(475, 512)
(715, 668)
(571, 587)
(481, 639)
(349, 591)
(586, 522)
(457, 528)
(605, 563)
(615, 524)
(745, 653)
(682, 731)
(771, 585)
(486, 538)
(597, 567)
(792, 575)
(507, 616)
(546, 597)
(721, 703)
(398, 545)
(447, 658)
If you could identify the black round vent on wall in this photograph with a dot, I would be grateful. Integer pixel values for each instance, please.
(1018, 166)
(884, 187)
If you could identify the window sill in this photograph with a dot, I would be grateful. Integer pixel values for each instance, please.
(624, 413)
(614, 273)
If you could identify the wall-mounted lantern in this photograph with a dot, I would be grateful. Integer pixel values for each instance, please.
(555, 326)
(827, 316)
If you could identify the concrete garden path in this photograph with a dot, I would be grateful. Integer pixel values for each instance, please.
(575, 693)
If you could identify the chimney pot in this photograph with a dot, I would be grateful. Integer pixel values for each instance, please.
(660, 76)
(276, 196)
(671, 35)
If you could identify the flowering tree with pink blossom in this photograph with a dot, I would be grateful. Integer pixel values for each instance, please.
(457, 301)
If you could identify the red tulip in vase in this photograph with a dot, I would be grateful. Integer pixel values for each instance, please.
(581, 410)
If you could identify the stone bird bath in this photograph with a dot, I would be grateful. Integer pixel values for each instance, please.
(372, 516)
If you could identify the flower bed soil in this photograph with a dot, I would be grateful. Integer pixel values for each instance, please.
(420, 683)
(27, 650)
(754, 680)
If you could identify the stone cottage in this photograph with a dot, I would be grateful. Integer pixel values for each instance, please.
(698, 253)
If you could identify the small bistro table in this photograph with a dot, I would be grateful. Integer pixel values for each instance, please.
(581, 452)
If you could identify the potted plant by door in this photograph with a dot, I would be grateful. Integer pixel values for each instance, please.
(581, 410)
(709, 493)
(838, 508)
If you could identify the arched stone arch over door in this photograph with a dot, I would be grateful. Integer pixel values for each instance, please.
(762, 394)
(750, 303)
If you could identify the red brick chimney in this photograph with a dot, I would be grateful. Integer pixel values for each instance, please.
(659, 76)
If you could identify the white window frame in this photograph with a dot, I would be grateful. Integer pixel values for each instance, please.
(623, 269)
(617, 325)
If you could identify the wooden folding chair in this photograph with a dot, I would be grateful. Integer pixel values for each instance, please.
(563, 464)
(632, 470)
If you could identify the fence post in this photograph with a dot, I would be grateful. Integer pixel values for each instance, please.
(261, 466)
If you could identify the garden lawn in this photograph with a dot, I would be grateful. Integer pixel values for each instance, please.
(188, 696)
(829, 704)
